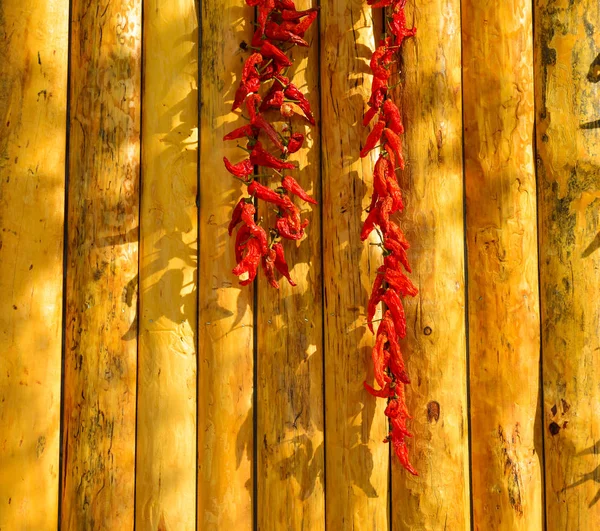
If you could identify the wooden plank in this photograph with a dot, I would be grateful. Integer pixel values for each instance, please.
(569, 186)
(290, 474)
(357, 462)
(166, 407)
(102, 266)
(33, 97)
(504, 340)
(226, 364)
(435, 346)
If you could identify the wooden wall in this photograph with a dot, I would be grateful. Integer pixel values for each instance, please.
(140, 386)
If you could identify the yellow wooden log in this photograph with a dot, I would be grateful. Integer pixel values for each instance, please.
(503, 299)
(33, 95)
(569, 185)
(290, 346)
(226, 363)
(435, 347)
(102, 265)
(357, 462)
(166, 410)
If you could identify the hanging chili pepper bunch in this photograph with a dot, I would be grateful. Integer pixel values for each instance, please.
(280, 26)
(391, 285)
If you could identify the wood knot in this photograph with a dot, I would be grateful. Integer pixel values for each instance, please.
(433, 411)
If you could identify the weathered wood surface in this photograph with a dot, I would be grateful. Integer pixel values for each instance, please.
(102, 266)
(33, 100)
(356, 460)
(225, 329)
(506, 438)
(567, 43)
(435, 347)
(166, 407)
(291, 483)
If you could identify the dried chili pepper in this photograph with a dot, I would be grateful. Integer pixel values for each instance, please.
(373, 138)
(241, 169)
(290, 184)
(281, 264)
(295, 143)
(277, 20)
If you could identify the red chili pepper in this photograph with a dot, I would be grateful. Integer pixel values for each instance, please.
(268, 264)
(398, 252)
(377, 293)
(236, 215)
(241, 239)
(386, 392)
(270, 50)
(396, 233)
(290, 184)
(401, 283)
(377, 98)
(398, 27)
(245, 131)
(273, 99)
(380, 60)
(261, 157)
(245, 88)
(373, 138)
(384, 213)
(287, 230)
(394, 304)
(380, 177)
(392, 117)
(369, 115)
(295, 142)
(241, 169)
(266, 194)
(378, 356)
(249, 263)
(249, 68)
(369, 224)
(395, 412)
(259, 233)
(396, 144)
(401, 451)
(264, 10)
(300, 28)
(395, 193)
(275, 32)
(281, 264)
(258, 120)
(292, 92)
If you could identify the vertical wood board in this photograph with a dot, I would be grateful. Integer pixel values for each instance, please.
(568, 98)
(166, 408)
(357, 460)
(290, 445)
(435, 347)
(502, 265)
(225, 328)
(102, 265)
(33, 99)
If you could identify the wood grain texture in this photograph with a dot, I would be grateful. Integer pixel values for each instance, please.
(504, 340)
(166, 407)
(291, 481)
(102, 266)
(226, 351)
(435, 347)
(33, 97)
(357, 462)
(567, 43)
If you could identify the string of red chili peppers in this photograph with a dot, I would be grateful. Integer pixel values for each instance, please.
(391, 284)
(279, 25)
